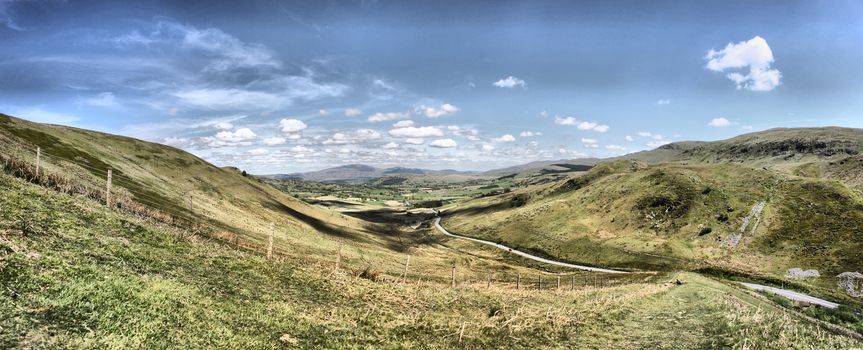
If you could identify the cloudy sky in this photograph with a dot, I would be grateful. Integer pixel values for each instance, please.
(281, 86)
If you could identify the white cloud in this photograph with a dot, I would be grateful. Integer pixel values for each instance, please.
(590, 143)
(273, 95)
(228, 98)
(223, 125)
(224, 50)
(470, 134)
(380, 117)
(719, 122)
(509, 82)
(487, 148)
(415, 141)
(301, 149)
(258, 152)
(615, 148)
(629, 138)
(416, 132)
(351, 137)
(663, 102)
(530, 133)
(649, 134)
(754, 54)
(504, 138)
(565, 121)
(323, 112)
(352, 112)
(581, 125)
(443, 143)
(105, 99)
(599, 128)
(586, 125)
(206, 69)
(434, 112)
(273, 141)
(403, 123)
(391, 145)
(292, 127)
(239, 136)
(6, 18)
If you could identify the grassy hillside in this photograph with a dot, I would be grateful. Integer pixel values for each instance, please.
(241, 211)
(669, 216)
(780, 148)
(75, 274)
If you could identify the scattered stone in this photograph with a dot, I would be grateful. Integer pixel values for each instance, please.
(798, 273)
(851, 283)
(755, 213)
(679, 282)
(287, 338)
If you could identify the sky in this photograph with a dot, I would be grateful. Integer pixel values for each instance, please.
(288, 86)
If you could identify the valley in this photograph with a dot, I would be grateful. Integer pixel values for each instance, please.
(270, 262)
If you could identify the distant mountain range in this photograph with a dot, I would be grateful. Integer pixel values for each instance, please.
(764, 148)
(355, 173)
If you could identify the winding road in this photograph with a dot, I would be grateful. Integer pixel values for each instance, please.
(792, 295)
(523, 254)
(781, 292)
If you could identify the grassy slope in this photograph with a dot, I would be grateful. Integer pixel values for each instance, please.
(236, 206)
(241, 207)
(77, 275)
(631, 215)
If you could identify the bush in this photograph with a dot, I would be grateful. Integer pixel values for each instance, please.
(370, 274)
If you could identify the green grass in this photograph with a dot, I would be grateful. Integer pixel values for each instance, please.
(81, 276)
(74, 274)
(630, 215)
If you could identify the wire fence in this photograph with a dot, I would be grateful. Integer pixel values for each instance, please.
(78, 177)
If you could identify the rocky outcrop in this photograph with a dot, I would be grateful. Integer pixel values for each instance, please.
(798, 273)
(851, 283)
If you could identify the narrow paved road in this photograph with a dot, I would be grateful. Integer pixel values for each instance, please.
(792, 295)
(523, 254)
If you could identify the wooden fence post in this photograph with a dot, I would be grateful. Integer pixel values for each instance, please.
(453, 275)
(488, 282)
(270, 241)
(572, 286)
(558, 283)
(38, 159)
(540, 282)
(339, 257)
(517, 281)
(108, 190)
(407, 264)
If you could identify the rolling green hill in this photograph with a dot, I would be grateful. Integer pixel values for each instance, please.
(148, 272)
(75, 274)
(780, 148)
(226, 205)
(694, 206)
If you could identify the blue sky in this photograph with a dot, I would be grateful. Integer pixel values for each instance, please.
(283, 86)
